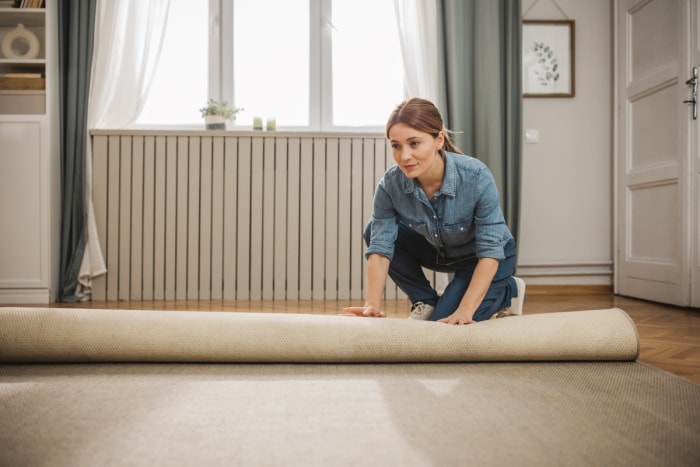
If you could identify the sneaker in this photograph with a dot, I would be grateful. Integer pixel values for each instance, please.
(501, 314)
(421, 311)
(516, 304)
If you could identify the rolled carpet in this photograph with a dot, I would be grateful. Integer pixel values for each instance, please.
(89, 335)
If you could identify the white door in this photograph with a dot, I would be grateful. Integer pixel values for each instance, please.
(695, 156)
(654, 147)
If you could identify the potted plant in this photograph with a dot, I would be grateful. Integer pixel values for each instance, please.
(216, 114)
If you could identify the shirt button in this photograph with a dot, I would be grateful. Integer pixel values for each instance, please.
(434, 217)
(461, 228)
(435, 235)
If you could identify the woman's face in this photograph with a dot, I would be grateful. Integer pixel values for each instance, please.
(415, 152)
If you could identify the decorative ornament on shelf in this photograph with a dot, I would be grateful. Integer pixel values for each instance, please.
(20, 43)
(217, 114)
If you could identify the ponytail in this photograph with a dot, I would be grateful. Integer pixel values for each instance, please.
(448, 145)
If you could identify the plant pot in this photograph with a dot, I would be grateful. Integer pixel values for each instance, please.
(215, 122)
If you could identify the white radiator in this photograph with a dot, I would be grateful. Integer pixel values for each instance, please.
(182, 216)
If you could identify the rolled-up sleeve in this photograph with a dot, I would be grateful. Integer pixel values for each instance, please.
(491, 230)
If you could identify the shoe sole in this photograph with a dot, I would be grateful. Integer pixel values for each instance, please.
(420, 318)
(516, 305)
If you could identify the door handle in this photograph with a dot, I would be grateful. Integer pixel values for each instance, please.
(695, 107)
(694, 101)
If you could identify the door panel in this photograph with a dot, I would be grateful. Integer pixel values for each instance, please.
(654, 124)
(22, 186)
(649, 212)
(653, 32)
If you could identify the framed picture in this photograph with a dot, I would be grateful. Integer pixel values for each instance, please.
(548, 58)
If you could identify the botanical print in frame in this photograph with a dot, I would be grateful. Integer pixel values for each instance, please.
(548, 58)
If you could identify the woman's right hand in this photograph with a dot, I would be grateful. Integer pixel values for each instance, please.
(365, 311)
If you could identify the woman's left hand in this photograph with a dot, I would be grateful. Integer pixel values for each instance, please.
(366, 311)
(457, 318)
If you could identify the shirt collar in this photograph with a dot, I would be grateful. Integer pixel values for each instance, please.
(449, 182)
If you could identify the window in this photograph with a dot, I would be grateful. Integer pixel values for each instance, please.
(310, 64)
(179, 86)
(366, 62)
(271, 59)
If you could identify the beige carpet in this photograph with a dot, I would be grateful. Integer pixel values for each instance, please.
(80, 335)
(450, 414)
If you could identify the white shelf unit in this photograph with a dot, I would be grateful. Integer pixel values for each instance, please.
(30, 165)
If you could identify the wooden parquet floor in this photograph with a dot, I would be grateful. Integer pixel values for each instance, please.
(669, 336)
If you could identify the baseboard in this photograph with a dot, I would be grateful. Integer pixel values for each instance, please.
(24, 297)
(569, 290)
(592, 273)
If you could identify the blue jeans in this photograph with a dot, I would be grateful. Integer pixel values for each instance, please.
(412, 253)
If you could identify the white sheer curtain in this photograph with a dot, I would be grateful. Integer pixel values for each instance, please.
(127, 45)
(421, 48)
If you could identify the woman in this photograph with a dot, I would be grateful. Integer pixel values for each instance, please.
(438, 209)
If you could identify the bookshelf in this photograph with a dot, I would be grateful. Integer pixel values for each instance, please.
(29, 154)
(23, 95)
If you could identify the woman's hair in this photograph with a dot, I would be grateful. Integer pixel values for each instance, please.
(422, 115)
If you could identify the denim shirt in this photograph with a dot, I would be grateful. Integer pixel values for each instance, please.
(463, 220)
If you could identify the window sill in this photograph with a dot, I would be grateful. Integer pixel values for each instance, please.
(191, 131)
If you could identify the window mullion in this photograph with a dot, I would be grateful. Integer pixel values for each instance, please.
(317, 39)
(224, 90)
(326, 70)
(215, 53)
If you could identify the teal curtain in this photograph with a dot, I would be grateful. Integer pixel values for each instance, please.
(483, 89)
(76, 21)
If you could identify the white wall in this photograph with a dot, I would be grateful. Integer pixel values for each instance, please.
(566, 231)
